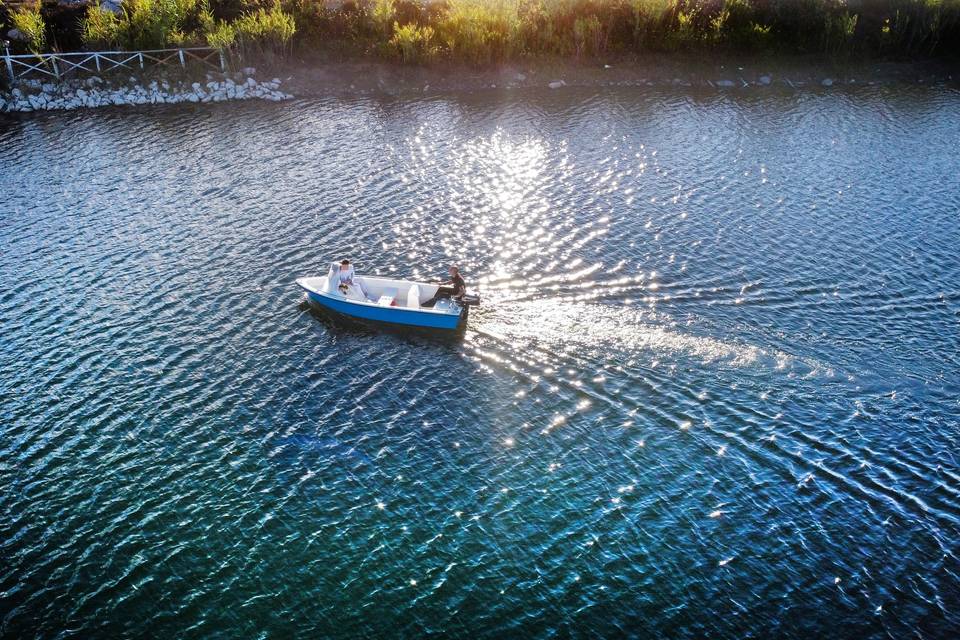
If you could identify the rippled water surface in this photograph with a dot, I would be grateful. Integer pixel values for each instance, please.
(712, 389)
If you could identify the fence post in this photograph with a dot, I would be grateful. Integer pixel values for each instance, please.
(183, 63)
(96, 60)
(56, 68)
(140, 55)
(6, 56)
(223, 61)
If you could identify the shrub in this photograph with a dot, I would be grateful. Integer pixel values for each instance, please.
(265, 31)
(737, 26)
(27, 20)
(154, 24)
(101, 29)
(413, 44)
(588, 36)
(382, 16)
(918, 26)
(480, 31)
(652, 20)
(221, 35)
(838, 31)
(685, 31)
(141, 24)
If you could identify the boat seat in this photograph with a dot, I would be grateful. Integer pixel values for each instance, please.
(413, 297)
(387, 297)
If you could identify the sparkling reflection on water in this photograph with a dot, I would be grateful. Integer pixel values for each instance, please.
(711, 390)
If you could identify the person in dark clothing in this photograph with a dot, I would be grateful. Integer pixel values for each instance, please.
(455, 288)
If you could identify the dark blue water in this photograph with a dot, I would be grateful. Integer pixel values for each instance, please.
(712, 389)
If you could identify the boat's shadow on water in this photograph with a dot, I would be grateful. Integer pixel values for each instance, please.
(342, 325)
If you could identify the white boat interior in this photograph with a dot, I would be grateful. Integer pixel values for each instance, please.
(384, 292)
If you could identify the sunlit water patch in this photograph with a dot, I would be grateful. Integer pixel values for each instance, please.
(711, 391)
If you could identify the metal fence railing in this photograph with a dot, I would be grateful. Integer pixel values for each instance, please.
(60, 65)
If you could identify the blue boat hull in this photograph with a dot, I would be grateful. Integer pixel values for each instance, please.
(391, 315)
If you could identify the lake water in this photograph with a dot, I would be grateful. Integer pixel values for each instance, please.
(712, 389)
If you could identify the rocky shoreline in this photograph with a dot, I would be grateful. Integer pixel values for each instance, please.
(34, 95)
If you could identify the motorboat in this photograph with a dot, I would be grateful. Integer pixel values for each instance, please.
(387, 300)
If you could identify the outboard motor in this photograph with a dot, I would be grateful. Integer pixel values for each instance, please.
(470, 300)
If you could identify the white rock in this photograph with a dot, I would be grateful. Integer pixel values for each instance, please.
(556, 84)
(251, 82)
(764, 80)
(192, 97)
(827, 82)
(196, 86)
(724, 83)
(248, 71)
(81, 94)
(276, 81)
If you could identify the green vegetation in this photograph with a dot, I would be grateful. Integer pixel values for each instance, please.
(484, 32)
(264, 31)
(154, 24)
(142, 24)
(413, 44)
(26, 18)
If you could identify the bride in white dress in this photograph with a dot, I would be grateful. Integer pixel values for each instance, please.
(347, 281)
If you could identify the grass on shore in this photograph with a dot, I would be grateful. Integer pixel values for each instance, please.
(484, 32)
